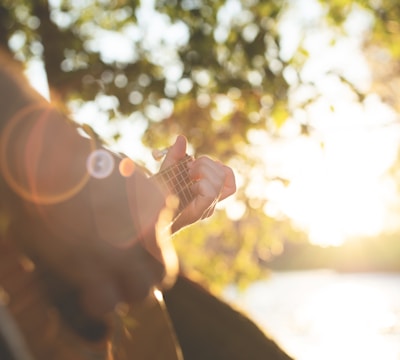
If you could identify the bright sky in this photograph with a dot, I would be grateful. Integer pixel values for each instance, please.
(336, 191)
(338, 188)
(340, 191)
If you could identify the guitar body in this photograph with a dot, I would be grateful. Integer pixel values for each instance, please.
(33, 329)
(40, 321)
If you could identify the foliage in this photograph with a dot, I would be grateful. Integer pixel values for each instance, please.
(381, 42)
(371, 254)
(238, 253)
(214, 72)
(221, 77)
(386, 26)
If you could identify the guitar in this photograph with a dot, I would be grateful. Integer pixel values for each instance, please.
(36, 328)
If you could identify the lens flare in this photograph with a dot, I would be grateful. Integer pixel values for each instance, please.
(100, 164)
(21, 155)
(126, 167)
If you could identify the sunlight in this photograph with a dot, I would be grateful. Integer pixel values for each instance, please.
(338, 188)
(348, 320)
(337, 185)
(339, 191)
(37, 76)
(234, 209)
(326, 315)
(363, 310)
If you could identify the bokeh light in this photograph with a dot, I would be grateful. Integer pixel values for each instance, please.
(100, 164)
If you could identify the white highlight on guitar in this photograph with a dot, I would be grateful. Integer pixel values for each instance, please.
(9, 330)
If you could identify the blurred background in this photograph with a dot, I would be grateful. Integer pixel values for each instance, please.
(300, 97)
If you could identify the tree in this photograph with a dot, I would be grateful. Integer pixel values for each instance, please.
(381, 42)
(216, 73)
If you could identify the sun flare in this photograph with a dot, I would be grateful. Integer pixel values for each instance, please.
(338, 188)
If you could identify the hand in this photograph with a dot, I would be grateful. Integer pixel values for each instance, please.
(213, 182)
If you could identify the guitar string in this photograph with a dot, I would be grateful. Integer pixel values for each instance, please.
(171, 172)
(181, 183)
(176, 179)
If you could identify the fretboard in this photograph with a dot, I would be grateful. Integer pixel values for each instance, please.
(176, 179)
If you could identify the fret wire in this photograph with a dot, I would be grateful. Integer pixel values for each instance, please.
(170, 168)
(174, 185)
(166, 174)
(186, 196)
(176, 179)
(178, 174)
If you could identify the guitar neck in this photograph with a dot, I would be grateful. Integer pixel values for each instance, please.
(175, 179)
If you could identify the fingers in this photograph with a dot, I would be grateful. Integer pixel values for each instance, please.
(176, 152)
(220, 177)
(229, 187)
(213, 182)
(212, 178)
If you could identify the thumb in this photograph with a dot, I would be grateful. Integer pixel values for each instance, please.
(176, 152)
